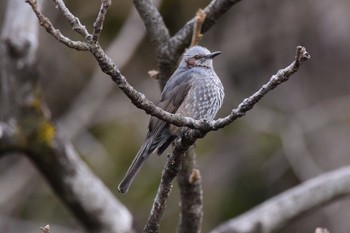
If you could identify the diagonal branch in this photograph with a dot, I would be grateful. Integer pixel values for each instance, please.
(170, 51)
(213, 11)
(72, 19)
(88, 198)
(90, 201)
(154, 22)
(46, 23)
(271, 215)
(139, 100)
(277, 79)
(188, 139)
(121, 49)
(159, 34)
(170, 171)
(30, 131)
(98, 25)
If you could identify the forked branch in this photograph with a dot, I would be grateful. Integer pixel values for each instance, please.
(139, 100)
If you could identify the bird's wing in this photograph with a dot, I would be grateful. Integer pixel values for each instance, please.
(172, 97)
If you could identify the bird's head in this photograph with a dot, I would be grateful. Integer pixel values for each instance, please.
(198, 56)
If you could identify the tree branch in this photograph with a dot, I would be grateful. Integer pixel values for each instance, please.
(94, 94)
(98, 25)
(139, 100)
(30, 131)
(213, 11)
(248, 103)
(188, 139)
(271, 215)
(191, 195)
(74, 21)
(153, 21)
(170, 171)
(171, 168)
(170, 51)
(86, 196)
(45, 23)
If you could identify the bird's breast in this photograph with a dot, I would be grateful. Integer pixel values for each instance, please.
(204, 99)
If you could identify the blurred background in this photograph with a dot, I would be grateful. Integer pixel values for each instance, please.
(296, 132)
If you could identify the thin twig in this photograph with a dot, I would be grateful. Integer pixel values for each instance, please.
(98, 24)
(139, 100)
(72, 19)
(46, 23)
(31, 132)
(277, 79)
(85, 106)
(189, 138)
(197, 27)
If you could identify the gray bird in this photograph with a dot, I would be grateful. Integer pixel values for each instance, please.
(194, 90)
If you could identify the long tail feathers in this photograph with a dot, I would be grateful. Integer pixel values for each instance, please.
(135, 167)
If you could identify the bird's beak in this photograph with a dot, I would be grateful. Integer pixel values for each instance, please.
(212, 55)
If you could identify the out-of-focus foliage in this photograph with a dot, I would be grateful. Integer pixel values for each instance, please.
(306, 119)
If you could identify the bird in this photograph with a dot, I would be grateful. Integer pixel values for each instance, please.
(194, 90)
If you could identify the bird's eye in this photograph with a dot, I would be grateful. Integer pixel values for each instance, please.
(197, 57)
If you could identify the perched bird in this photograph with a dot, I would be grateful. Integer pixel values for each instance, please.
(194, 90)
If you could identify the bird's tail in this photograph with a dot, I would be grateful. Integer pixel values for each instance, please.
(135, 167)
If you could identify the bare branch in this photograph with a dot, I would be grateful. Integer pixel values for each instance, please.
(45, 23)
(138, 99)
(31, 132)
(170, 171)
(72, 19)
(188, 139)
(154, 22)
(91, 98)
(87, 197)
(213, 12)
(248, 103)
(171, 51)
(98, 24)
(271, 215)
(191, 194)
(89, 200)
